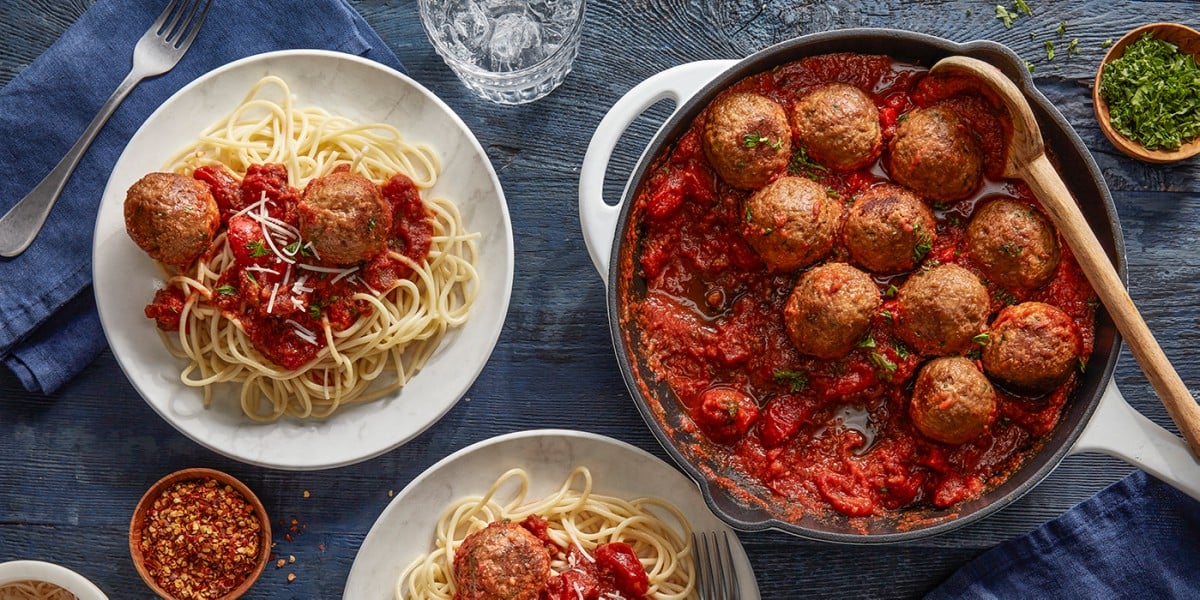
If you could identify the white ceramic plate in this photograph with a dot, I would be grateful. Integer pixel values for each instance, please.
(36, 570)
(404, 530)
(126, 278)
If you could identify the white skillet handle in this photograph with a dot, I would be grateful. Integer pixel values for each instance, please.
(1119, 430)
(598, 218)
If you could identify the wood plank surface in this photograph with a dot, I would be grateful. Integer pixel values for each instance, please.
(74, 464)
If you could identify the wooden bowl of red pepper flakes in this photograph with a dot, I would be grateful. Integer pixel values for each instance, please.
(199, 534)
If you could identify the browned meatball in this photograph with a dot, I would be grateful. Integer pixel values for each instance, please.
(172, 217)
(952, 401)
(889, 229)
(1032, 347)
(838, 125)
(830, 310)
(942, 309)
(1014, 243)
(791, 222)
(934, 155)
(747, 139)
(502, 560)
(345, 217)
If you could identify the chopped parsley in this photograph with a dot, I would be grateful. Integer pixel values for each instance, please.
(1049, 45)
(882, 363)
(891, 291)
(294, 247)
(1106, 43)
(1023, 7)
(801, 163)
(1073, 47)
(227, 290)
(832, 193)
(752, 140)
(901, 350)
(314, 310)
(1153, 94)
(982, 339)
(1005, 16)
(867, 342)
(371, 224)
(887, 314)
(257, 248)
(795, 380)
(1030, 66)
(924, 243)
(1062, 28)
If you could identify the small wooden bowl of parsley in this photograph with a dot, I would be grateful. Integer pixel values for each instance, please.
(1147, 93)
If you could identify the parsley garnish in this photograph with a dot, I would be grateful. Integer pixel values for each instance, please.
(1153, 94)
(1062, 28)
(257, 248)
(982, 339)
(1023, 7)
(924, 243)
(801, 162)
(371, 224)
(1004, 15)
(752, 140)
(882, 363)
(227, 290)
(314, 310)
(795, 380)
(867, 342)
(1049, 50)
(890, 291)
(887, 314)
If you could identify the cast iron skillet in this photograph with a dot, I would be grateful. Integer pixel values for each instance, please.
(663, 413)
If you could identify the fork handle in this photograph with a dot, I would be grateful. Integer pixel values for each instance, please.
(21, 224)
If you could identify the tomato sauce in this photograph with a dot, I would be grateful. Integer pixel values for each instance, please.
(283, 307)
(821, 435)
(613, 571)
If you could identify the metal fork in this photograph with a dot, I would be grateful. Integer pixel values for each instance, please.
(716, 575)
(158, 50)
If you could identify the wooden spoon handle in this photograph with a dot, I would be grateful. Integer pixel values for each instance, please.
(1050, 189)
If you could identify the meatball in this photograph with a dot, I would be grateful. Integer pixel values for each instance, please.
(933, 154)
(1014, 243)
(830, 310)
(747, 139)
(952, 401)
(172, 217)
(941, 309)
(838, 126)
(345, 217)
(791, 222)
(502, 560)
(889, 229)
(1032, 347)
(726, 414)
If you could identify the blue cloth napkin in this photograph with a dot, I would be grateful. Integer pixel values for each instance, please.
(49, 329)
(1138, 538)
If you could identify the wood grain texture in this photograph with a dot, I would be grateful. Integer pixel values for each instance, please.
(74, 464)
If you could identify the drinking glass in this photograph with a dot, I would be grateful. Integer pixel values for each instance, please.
(508, 51)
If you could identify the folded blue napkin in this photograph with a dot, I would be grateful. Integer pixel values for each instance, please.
(49, 329)
(1138, 538)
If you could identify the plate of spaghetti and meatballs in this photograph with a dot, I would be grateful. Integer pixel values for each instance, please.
(830, 306)
(321, 254)
(549, 514)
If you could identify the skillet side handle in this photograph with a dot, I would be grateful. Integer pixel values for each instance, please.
(597, 218)
(1119, 430)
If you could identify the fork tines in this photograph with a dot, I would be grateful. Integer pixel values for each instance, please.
(716, 575)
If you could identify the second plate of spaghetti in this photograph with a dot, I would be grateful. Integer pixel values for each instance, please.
(584, 492)
(324, 251)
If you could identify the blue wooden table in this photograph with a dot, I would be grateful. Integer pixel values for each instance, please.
(73, 465)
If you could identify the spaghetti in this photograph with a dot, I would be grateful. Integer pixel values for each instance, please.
(326, 336)
(34, 590)
(576, 523)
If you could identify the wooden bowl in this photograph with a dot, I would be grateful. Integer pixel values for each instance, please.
(1188, 41)
(137, 523)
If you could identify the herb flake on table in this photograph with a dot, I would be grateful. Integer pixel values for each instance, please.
(1153, 94)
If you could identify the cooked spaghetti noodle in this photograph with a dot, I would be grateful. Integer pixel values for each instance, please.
(577, 518)
(34, 590)
(397, 328)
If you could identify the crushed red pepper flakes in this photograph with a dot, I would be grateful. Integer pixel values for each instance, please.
(200, 539)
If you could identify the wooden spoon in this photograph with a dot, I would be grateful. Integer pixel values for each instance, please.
(1027, 161)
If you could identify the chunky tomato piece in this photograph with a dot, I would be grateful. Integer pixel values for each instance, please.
(726, 414)
(618, 563)
(166, 308)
